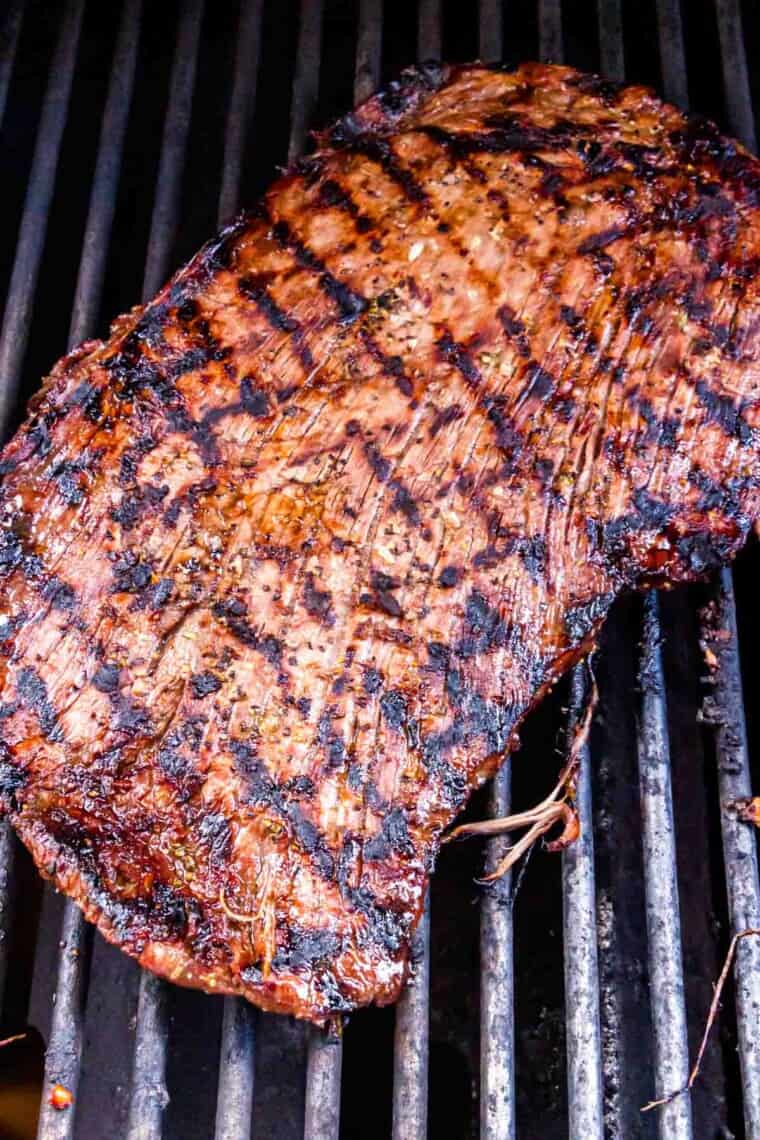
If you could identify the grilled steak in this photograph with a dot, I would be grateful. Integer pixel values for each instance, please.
(288, 558)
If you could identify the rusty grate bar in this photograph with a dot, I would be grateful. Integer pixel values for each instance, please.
(671, 1048)
(148, 1096)
(63, 1055)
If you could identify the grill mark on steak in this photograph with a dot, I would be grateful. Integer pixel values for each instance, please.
(350, 304)
(375, 574)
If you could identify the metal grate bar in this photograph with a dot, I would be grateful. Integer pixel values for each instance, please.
(63, 1055)
(581, 967)
(8, 44)
(148, 1096)
(64, 1051)
(735, 75)
(31, 239)
(497, 1027)
(739, 847)
(176, 127)
(242, 103)
(550, 44)
(324, 1051)
(234, 1098)
(18, 311)
(584, 1050)
(490, 31)
(410, 1047)
(672, 53)
(429, 37)
(611, 46)
(325, 1057)
(106, 177)
(671, 1047)
(306, 79)
(369, 46)
(739, 844)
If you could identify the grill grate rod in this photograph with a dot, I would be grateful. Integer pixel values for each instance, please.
(490, 31)
(369, 46)
(148, 1096)
(739, 844)
(63, 1055)
(18, 309)
(671, 1048)
(675, 85)
(611, 48)
(234, 1098)
(497, 1024)
(584, 1050)
(8, 43)
(241, 108)
(581, 966)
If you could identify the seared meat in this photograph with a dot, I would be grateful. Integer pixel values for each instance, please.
(289, 557)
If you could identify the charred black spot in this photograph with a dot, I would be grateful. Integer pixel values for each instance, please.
(449, 576)
(393, 837)
(33, 695)
(540, 382)
(403, 502)
(138, 502)
(391, 365)
(582, 619)
(215, 833)
(722, 410)
(60, 594)
(12, 779)
(318, 602)
(132, 573)
(106, 678)
(485, 629)
(381, 467)
(457, 355)
(89, 399)
(596, 242)
(394, 708)
(444, 417)
(253, 399)
(204, 684)
(307, 948)
(313, 842)
(267, 645)
(372, 679)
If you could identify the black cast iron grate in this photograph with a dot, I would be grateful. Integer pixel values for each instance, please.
(144, 1061)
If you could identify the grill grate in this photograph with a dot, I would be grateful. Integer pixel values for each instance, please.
(592, 1051)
